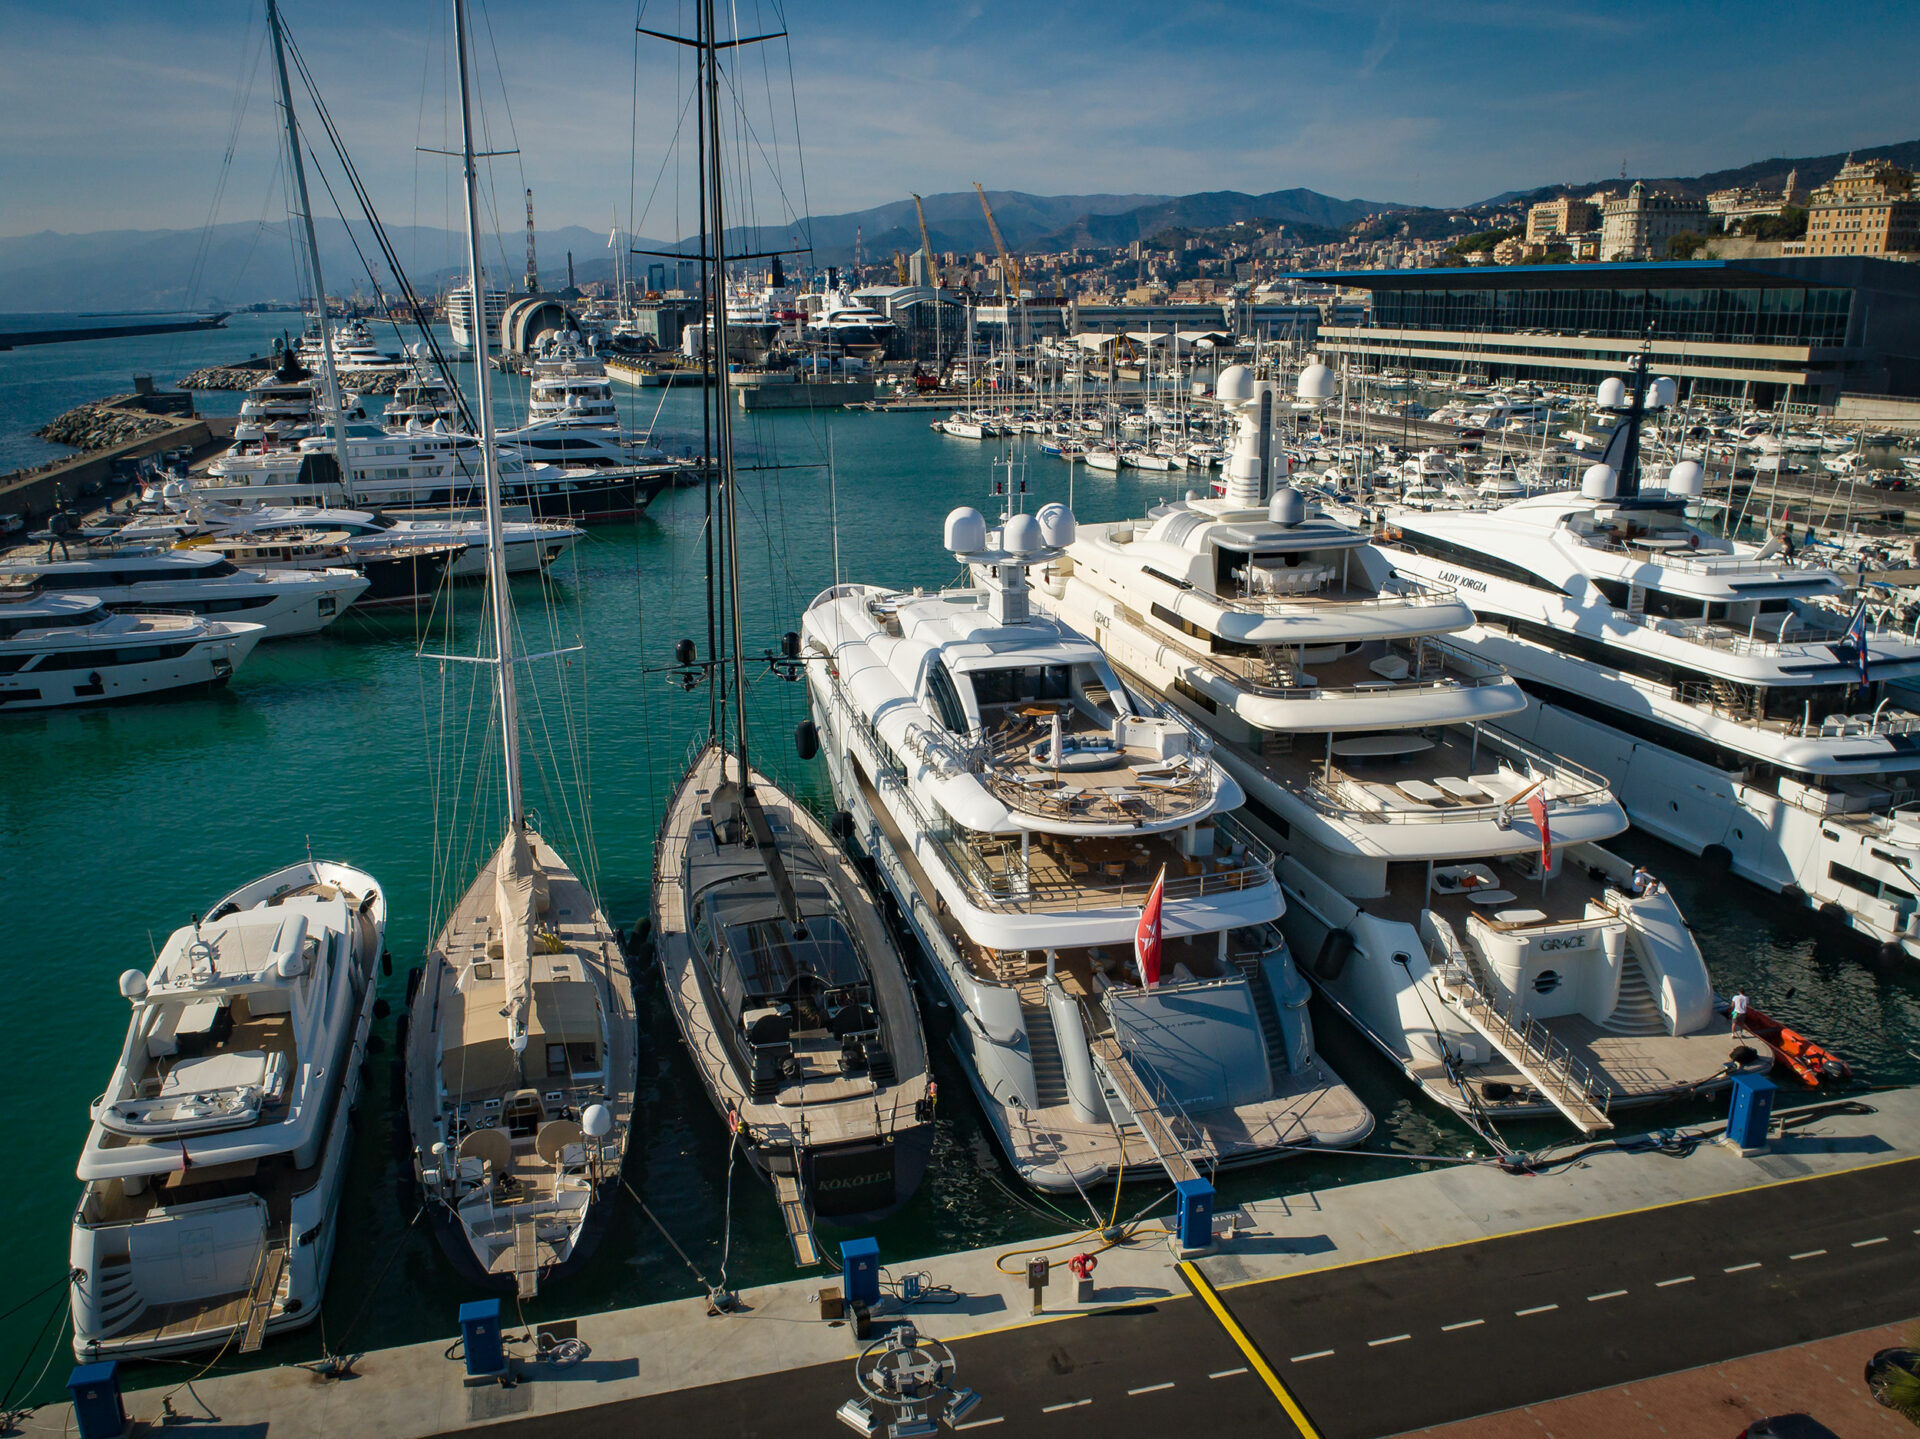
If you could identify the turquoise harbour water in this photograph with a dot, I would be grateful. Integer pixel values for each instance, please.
(119, 824)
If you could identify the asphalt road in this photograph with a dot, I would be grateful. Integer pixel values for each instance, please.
(1381, 1347)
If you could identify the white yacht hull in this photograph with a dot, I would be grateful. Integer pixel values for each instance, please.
(205, 1246)
(207, 663)
(1759, 835)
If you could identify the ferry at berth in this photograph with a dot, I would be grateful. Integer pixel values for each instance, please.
(219, 1148)
(1020, 802)
(1446, 886)
(1714, 682)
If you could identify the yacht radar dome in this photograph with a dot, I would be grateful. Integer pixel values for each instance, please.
(1021, 536)
(1599, 482)
(133, 985)
(1613, 393)
(1663, 392)
(1235, 386)
(966, 531)
(597, 1121)
(1057, 525)
(1288, 507)
(1315, 383)
(1687, 477)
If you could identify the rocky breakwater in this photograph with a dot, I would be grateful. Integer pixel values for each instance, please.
(103, 425)
(226, 377)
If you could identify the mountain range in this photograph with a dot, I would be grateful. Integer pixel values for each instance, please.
(233, 265)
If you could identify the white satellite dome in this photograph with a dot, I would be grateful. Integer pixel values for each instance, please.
(1315, 383)
(1021, 535)
(1613, 393)
(1287, 507)
(1599, 482)
(1663, 392)
(1235, 386)
(1057, 526)
(966, 531)
(597, 1120)
(1687, 477)
(133, 985)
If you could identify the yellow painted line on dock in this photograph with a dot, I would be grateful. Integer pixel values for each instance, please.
(1203, 1287)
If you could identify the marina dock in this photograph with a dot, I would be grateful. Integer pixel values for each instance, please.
(1370, 1309)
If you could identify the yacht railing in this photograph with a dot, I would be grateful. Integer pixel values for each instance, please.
(1343, 794)
(1399, 592)
(1456, 669)
(1694, 562)
(1464, 981)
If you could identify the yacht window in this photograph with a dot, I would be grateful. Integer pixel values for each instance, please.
(1023, 684)
(945, 699)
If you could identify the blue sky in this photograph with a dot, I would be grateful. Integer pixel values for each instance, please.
(116, 115)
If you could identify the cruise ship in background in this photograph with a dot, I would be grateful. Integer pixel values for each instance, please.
(459, 308)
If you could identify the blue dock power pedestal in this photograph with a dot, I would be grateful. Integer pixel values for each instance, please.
(1193, 1213)
(97, 1410)
(486, 1349)
(860, 1263)
(1752, 1112)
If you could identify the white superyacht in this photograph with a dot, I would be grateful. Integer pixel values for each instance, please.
(63, 649)
(1718, 684)
(1445, 884)
(219, 1147)
(1020, 802)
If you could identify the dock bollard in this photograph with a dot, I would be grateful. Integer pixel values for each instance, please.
(98, 1412)
(1083, 1266)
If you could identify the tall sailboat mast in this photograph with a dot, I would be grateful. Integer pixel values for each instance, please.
(299, 172)
(500, 600)
(723, 411)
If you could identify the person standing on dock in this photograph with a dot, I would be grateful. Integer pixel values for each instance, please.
(1739, 1012)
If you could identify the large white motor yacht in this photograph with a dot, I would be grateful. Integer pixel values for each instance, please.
(1718, 684)
(1020, 802)
(61, 649)
(1445, 884)
(219, 1147)
(281, 602)
(424, 468)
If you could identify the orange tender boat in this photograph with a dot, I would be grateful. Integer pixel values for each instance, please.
(1811, 1062)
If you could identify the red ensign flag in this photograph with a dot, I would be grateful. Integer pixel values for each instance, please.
(1537, 807)
(1146, 939)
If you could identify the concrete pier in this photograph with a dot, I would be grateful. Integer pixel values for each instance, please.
(1356, 1310)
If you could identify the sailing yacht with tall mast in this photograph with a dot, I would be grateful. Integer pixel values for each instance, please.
(522, 1039)
(781, 974)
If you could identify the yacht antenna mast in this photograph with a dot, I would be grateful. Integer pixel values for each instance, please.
(500, 601)
(299, 171)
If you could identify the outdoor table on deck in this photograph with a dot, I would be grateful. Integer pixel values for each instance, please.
(1381, 746)
(1520, 916)
(1491, 896)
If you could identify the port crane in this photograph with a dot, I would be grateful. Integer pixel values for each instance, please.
(1009, 267)
(926, 244)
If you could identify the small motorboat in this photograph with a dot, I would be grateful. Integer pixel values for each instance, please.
(1813, 1063)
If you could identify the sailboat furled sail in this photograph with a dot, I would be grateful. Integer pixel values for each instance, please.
(784, 980)
(521, 1042)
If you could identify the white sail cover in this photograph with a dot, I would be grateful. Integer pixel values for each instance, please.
(513, 890)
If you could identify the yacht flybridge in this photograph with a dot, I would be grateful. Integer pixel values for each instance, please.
(219, 1147)
(521, 1040)
(1021, 802)
(780, 972)
(1445, 884)
(1738, 701)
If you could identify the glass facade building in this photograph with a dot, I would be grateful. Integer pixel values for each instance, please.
(1767, 331)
